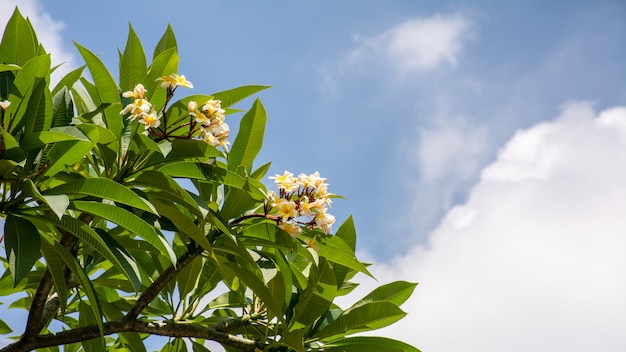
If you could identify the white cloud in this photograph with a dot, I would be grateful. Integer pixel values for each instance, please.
(419, 44)
(536, 257)
(49, 32)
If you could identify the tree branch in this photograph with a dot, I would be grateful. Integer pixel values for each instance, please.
(168, 275)
(35, 321)
(170, 329)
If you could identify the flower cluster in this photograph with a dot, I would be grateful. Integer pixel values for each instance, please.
(301, 198)
(213, 129)
(140, 108)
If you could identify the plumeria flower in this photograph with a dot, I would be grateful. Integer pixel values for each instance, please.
(312, 180)
(285, 181)
(137, 108)
(213, 108)
(5, 104)
(209, 138)
(324, 221)
(291, 228)
(322, 192)
(174, 80)
(192, 108)
(150, 120)
(286, 209)
(305, 207)
(220, 130)
(138, 93)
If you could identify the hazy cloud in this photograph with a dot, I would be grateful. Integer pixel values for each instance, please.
(454, 150)
(419, 44)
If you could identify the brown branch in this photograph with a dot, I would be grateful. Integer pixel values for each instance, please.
(170, 329)
(168, 275)
(36, 320)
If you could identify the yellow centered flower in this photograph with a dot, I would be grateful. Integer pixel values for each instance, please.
(285, 181)
(324, 221)
(138, 108)
(306, 208)
(150, 120)
(213, 109)
(286, 209)
(138, 93)
(174, 80)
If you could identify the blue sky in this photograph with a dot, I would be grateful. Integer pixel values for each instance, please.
(421, 113)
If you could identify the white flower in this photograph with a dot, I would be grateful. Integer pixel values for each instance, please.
(4, 104)
(138, 93)
(150, 120)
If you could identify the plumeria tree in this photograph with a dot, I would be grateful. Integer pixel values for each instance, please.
(130, 212)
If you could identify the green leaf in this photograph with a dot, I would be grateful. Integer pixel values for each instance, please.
(19, 42)
(39, 110)
(22, 243)
(9, 67)
(63, 108)
(368, 344)
(232, 96)
(107, 90)
(58, 134)
(133, 66)
(252, 281)
(186, 149)
(12, 149)
(68, 80)
(55, 265)
(129, 221)
(57, 203)
(198, 347)
(163, 64)
(88, 235)
(157, 180)
(6, 82)
(64, 154)
(167, 41)
(84, 281)
(338, 251)
(184, 225)
(103, 188)
(189, 277)
(395, 292)
(37, 67)
(370, 316)
(30, 78)
(347, 233)
(260, 172)
(314, 301)
(4, 328)
(249, 139)
(124, 260)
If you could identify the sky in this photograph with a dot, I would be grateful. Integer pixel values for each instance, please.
(480, 145)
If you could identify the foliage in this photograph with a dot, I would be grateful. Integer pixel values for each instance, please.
(111, 248)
